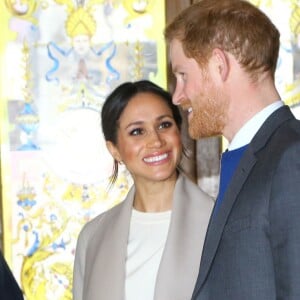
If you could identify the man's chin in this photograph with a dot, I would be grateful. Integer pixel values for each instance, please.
(195, 133)
(195, 128)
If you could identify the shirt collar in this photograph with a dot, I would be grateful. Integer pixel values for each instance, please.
(248, 131)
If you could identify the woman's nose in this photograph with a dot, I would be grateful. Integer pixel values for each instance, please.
(155, 139)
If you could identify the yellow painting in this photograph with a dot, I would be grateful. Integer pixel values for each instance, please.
(59, 59)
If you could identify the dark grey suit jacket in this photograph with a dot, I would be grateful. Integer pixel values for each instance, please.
(9, 288)
(252, 246)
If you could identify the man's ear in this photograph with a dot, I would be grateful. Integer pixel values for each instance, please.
(113, 151)
(221, 61)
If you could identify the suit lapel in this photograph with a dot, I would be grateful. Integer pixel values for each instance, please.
(217, 223)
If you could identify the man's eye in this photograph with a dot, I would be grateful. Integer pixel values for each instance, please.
(182, 75)
(136, 131)
(165, 124)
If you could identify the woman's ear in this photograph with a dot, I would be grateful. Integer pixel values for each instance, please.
(113, 151)
(221, 62)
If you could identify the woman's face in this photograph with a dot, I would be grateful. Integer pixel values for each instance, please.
(148, 139)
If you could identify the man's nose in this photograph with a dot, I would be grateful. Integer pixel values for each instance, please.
(177, 96)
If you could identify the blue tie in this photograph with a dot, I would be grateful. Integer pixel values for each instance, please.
(229, 162)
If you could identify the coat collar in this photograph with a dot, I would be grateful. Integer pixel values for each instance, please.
(107, 252)
(180, 262)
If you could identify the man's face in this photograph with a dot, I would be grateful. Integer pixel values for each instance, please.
(198, 92)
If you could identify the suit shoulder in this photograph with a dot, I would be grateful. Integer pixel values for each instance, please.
(287, 136)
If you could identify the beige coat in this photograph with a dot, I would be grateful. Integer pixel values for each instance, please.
(99, 270)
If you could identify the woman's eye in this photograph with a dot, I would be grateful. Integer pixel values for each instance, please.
(165, 124)
(136, 131)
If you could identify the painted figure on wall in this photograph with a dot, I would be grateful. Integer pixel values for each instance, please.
(91, 70)
(23, 21)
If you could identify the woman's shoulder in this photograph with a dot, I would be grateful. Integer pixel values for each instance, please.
(187, 184)
(190, 198)
(104, 219)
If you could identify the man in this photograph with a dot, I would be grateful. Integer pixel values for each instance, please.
(223, 54)
(9, 289)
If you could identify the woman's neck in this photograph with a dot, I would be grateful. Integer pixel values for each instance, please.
(155, 196)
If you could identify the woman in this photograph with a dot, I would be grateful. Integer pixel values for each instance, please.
(148, 246)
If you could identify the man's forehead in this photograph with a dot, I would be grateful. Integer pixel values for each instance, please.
(175, 50)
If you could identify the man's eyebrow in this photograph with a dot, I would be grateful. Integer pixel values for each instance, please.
(174, 68)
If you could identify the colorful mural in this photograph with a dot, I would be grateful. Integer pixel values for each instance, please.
(59, 60)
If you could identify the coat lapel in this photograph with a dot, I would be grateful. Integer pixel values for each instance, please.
(107, 253)
(181, 258)
(217, 223)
